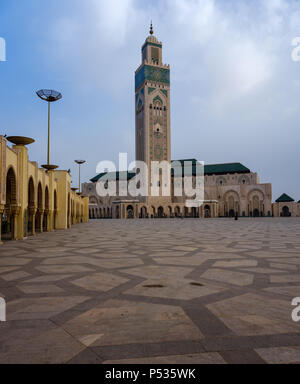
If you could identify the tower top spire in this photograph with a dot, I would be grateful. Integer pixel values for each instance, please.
(151, 29)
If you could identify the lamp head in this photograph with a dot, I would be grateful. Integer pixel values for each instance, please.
(80, 161)
(49, 95)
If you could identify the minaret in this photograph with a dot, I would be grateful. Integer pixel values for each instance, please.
(152, 104)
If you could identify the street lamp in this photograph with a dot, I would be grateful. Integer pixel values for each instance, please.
(50, 96)
(79, 162)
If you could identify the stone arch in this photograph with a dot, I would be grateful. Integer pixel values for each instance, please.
(244, 180)
(221, 180)
(40, 209)
(47, 198)
(231, 203)
(255, 200)
(130, 212)
(285, 212)
(11, 187)
(46, 211)
(158, 105)
(40, 196)
(160, 212)
(31, 208)
(31, 193)
(207, 211)
(8, 217)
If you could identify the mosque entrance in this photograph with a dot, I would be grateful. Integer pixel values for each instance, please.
(231, 213)
(286, 212)
(194, 212)
(256, 213)
(160, 212)
(207, 213)
(130, 212)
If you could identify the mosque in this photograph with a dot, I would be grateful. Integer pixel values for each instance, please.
(230, 189)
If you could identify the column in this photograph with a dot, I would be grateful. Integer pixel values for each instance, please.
(50, 221)
(41, 218)
(15, 227)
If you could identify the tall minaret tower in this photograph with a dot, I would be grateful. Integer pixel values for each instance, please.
(152, 104)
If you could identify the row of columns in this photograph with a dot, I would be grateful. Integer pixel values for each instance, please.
(132, 210)
(33, 221)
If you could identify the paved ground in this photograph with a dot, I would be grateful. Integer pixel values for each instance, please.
(156, 291)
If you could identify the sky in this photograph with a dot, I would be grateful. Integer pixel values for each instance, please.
(235, 90)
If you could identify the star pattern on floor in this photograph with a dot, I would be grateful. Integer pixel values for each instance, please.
(149, 291)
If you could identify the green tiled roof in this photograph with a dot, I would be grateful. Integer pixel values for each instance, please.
(182, 170)
(284, 198)
(222, 169)
(114, 176)
(218, 169)
(209, 169)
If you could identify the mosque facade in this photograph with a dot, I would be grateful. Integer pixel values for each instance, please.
(230, 189)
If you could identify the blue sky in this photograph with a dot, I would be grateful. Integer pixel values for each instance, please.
(235, 90)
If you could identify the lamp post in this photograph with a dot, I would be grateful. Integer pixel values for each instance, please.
(79, 162)
(50, 96)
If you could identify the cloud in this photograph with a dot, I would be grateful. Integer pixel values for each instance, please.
(113, 20)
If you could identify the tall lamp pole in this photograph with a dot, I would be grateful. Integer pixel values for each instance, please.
(79, 162)
(50, 96)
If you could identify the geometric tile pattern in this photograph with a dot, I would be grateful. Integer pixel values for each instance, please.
(153, 291)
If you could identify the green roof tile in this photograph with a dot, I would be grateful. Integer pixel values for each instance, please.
(218, 169)
(113, 176)
(209, 169)
(221, 169)
(284, 198)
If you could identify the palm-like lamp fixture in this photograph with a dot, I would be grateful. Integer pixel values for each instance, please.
(79, 162)
(50, 96)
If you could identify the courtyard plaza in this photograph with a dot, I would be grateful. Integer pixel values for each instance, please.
(153, 291)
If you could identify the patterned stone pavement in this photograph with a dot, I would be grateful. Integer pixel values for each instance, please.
(153, 291)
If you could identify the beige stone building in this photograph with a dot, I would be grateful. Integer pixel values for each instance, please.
(229, 189)
(285, 206)
(34, 200)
